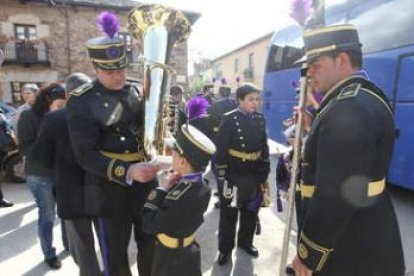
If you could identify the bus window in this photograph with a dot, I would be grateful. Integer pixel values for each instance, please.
(283, 57)
(286, 49)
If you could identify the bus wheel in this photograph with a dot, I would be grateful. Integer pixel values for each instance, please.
(15, 169)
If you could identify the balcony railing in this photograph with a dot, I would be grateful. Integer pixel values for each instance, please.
(248, 74)
(25, 52)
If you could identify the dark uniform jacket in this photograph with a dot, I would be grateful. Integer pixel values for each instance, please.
(348, 222)
(27, 130)
(179, 118)
(53, 150)
(217, 110)
(242, 155)
(174, 217)
(104, 128)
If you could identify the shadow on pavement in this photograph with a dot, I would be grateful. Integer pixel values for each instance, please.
(207, 237)
(42, 268)
(13, 220)
(18, 241)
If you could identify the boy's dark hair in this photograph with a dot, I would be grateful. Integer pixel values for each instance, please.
(194, 167)
(246, 89)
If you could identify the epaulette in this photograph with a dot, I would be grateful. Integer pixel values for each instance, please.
(129, 79)
(230, 112)
(135, 83)
(178, 190)
(79, 91)
(349, 91)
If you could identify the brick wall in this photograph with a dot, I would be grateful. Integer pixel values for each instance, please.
(65, 30)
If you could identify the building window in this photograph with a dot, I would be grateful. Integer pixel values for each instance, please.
(236, 65)
(251, 61)
(249, 71)
(218, 72)
(25, 32)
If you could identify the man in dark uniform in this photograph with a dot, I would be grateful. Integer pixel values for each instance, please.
(242, 161)
(207, 93)
(177, 110)
(220, 107)
(348, 224)
(105, 121)
(174, 210)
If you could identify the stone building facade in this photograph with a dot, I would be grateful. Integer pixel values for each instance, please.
(244, 64)
(44, 41)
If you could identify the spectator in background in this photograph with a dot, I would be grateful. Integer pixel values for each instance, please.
(38, 177)
(208, 93)
(53, 150)
(178, 110)
(3, 125)
(28, 93)
(219, 108)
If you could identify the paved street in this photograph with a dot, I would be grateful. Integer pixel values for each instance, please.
(20, 252)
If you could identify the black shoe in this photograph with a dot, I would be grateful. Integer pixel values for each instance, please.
(217, 205)
(289, 270)
(5, 203)
(251, 250)
(54, 263)
(223, 258)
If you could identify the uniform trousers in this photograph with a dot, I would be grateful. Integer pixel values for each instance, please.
(82, 246)
(227, 227)
(114, 235)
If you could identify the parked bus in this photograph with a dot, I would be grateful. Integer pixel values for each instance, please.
(386, 29)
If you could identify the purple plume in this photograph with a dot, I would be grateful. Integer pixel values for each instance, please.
(213, 80)
(108, 23)
(197, 107)
(238, 79)
(223, 81)
(300, 10)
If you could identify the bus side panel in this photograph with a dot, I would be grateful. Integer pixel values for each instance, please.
(275, 113)
(278, 85)
(381, 70)
(401, 172)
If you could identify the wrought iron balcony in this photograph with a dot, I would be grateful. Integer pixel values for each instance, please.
(25, 52)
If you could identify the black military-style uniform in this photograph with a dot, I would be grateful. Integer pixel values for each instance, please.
(217, 110)
(179, 118)
(242, 158)
(174, 217)
(104, 128)
(348, 222)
